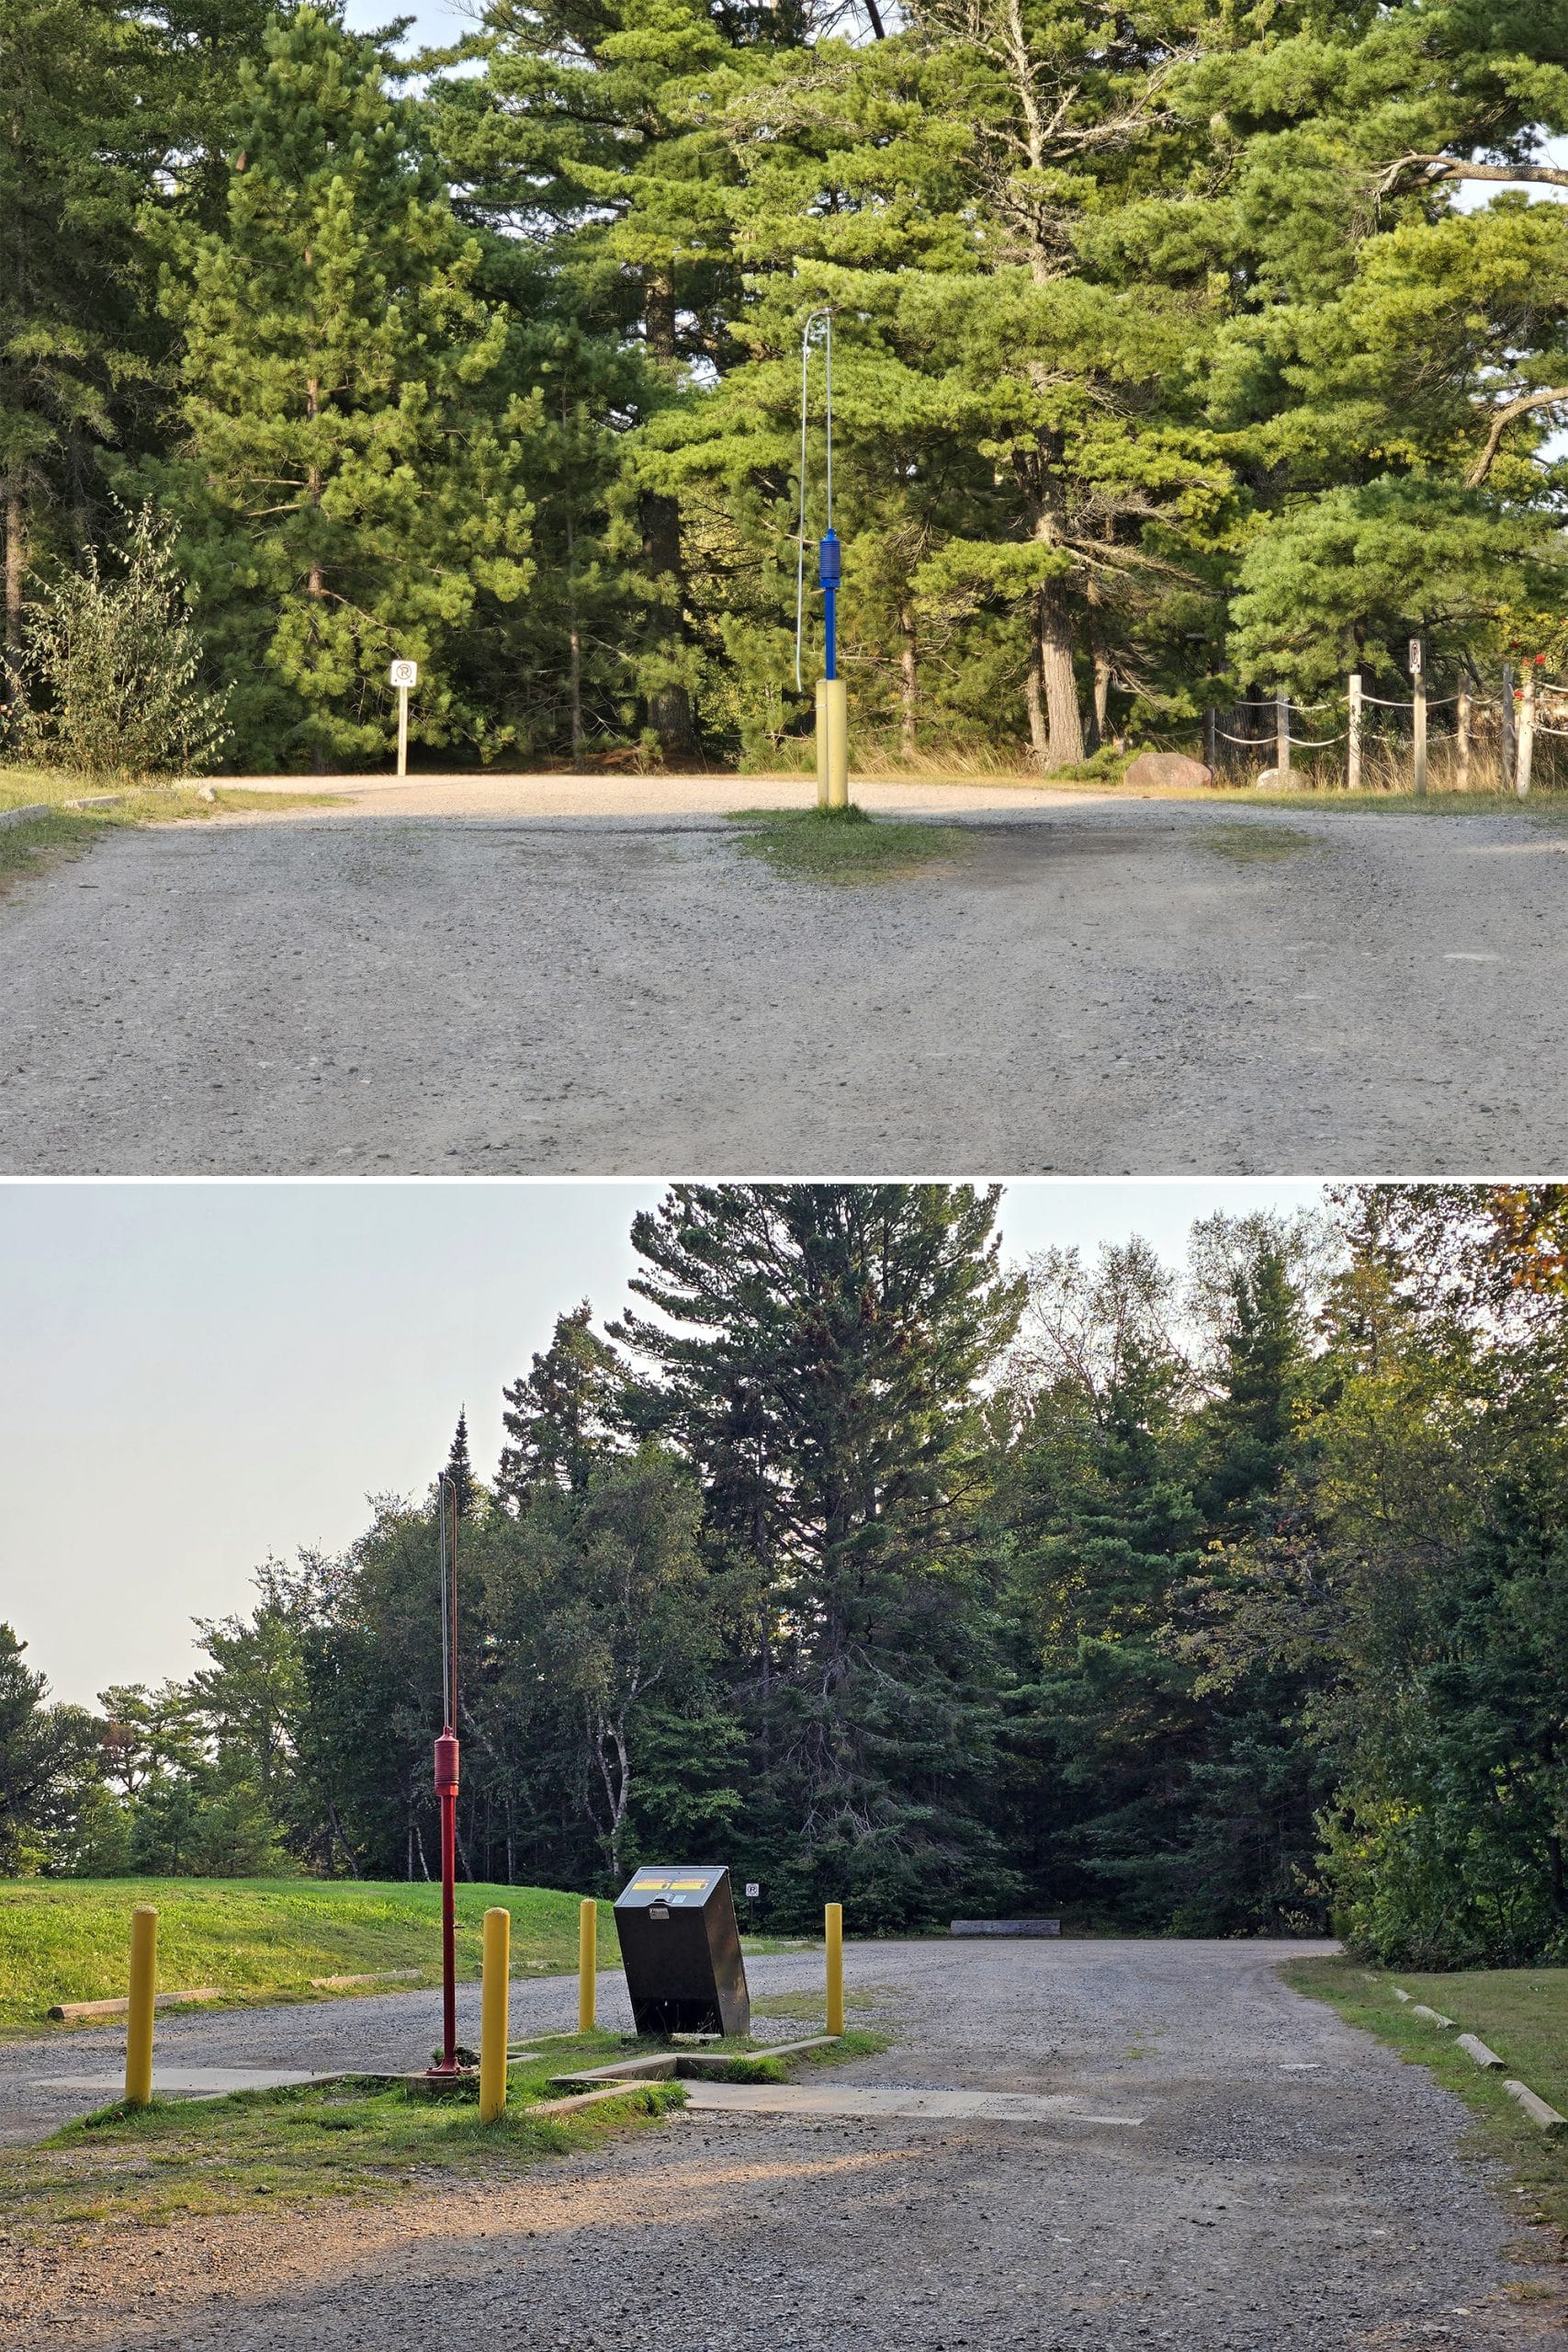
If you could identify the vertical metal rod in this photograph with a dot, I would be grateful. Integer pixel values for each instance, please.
(1526, 735)
(1353, 736)
(138, 2023)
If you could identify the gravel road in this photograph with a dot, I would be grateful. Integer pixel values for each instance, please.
(1293, 2187)
(1096, 988)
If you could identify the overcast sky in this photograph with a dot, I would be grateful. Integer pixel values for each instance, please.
(195, 1375)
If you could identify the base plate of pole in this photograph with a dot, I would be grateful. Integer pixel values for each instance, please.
(442, 2082)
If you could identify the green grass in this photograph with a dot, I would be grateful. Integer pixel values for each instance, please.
(1521, 2013)
(260, 1939)
(132, 803)
(358, 2140)
(845, 844)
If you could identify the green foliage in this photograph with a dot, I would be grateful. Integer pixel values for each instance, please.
(1171, 353)
(349, 465)
(1223, 1600)
(109, 683)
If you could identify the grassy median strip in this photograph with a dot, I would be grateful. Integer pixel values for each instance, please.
(1522, 2013)
(260, 1939)
(846, 844)
(300, 2148)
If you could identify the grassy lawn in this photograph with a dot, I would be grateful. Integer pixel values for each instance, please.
(846, 845)
(1521, 2013)
(141, 804)
(259, 1938)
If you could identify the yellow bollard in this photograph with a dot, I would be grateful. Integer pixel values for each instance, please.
(834, 1916)
(587, 1964)
(821, 742)
(836, 708)
(139, 2024)
(494, 2004)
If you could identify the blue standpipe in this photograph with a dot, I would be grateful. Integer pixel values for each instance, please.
(829, 571)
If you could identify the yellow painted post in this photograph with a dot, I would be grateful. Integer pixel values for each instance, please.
(821, 742)
(139, 2024)
(403, 730)
(834, 1916)
(587, 1964)
(836, 708)
(494, 2004)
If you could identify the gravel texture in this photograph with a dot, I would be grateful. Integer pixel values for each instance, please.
(1099, 988)
(1256, 2209)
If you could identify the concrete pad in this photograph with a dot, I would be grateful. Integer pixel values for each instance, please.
(876, 2099)
(192, 2082)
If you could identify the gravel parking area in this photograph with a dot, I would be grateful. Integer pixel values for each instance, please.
(1293, 2187)
(1097, 988)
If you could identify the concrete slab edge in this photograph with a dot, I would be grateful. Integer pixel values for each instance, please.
(26, 815)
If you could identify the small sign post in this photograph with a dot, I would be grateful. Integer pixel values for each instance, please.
(404, 674)
(1417, 717)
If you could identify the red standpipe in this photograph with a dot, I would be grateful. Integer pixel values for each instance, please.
(447, 1792)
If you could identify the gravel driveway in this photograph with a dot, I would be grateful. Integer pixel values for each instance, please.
(1097, 988)
(1293, 2187)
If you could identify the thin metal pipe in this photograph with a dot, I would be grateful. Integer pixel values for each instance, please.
(800, 531)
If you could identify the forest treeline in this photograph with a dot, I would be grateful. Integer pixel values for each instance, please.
(1178, 349)
(1218, 1598)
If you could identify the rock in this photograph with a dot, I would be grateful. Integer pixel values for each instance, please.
(1173, 770)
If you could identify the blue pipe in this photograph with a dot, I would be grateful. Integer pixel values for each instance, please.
(829, 571)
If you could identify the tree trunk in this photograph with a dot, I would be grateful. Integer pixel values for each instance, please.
(1054, 651)
(574, 646)
(909, 682)
(669, 707)
(1034, 702)
(16, 563)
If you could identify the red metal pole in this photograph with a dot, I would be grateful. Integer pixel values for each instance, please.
(446, 1760)
(447, 1790)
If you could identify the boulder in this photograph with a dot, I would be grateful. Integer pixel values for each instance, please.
(1172, 771)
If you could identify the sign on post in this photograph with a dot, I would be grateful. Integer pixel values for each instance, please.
(1415, 657)
(404, 675)
(753, 1890)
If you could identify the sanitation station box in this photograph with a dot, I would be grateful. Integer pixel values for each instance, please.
(681, 1950)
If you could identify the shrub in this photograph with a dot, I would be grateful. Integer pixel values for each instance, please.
(109, 680)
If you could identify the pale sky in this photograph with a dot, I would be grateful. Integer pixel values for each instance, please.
(195, 1375)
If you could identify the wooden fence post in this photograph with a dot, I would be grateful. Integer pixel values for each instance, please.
(1210, 744)
(1461, 734)
(1418, 717)
(1507, 725)
(1281, 735)
(1526, 735)
(1353, 736)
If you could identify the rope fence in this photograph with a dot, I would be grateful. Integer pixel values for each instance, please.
(1516, 709)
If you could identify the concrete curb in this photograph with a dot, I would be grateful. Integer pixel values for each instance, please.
(666, 2066)
(1537, 2108)
(120, 2006)
(26, 815)
(1474, 2046)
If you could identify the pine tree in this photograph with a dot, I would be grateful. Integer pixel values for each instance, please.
(562, 1420)
(460, 1482)
(349, 481)
(816, 1352)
